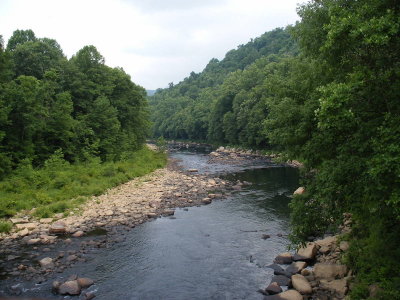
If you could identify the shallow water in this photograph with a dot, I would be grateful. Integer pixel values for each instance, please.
(209, 252)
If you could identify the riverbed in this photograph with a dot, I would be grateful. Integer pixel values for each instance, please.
(217, 251)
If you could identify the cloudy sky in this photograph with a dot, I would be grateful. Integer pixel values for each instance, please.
(155, 41)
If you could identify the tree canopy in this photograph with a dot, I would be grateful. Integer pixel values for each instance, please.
(78, 106)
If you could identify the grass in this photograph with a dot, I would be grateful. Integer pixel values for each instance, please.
(5, 226)
(60, 186)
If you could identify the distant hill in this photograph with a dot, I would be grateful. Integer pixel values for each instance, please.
(208, 106)
(150, 92)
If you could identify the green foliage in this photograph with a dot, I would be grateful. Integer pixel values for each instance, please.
(340, 117)
(334, 106)
(80, 106)
(224, 102)
(59, 185)
(5, 226)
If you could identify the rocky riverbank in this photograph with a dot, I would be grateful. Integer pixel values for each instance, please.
(35, 250)
(313, 272)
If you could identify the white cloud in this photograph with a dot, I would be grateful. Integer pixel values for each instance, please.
(155, 41)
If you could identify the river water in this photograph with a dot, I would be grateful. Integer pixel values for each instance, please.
(209, 252)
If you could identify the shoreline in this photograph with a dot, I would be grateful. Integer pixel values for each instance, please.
(35, 250)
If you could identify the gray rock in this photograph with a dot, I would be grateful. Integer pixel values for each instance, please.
(296, 267)
(278, 270)
(273, 288)
(283, 258)
(281, 280)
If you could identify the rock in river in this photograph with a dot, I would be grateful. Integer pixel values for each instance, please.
(46, 263)
(70, 288)
(85, 282)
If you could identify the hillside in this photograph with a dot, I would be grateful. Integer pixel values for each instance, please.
(182, 111)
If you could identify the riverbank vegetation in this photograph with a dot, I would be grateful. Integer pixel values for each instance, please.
(68, 127)
(326, 92)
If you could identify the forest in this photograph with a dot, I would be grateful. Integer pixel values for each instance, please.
(326, 92)
(68, 127)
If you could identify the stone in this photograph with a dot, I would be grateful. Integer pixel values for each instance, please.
(55, 286)
(273, 288)
(296, 267)
(46, 220)
(18, 220)
(338, 286)
(328, 241)
(85, 282)
(58, 228)
(305, 272)
(306, 253)
(265, 236)
(109, 212)
(301, 284)
(344, 245)
(300, 191)
(71, 288)
(89, 296)
(24, 232)
(79, 233)
(29, 226)
(47, 263)
(193, 170)
(33, 241)
(283, 258)
(288, 295)
(329, 271)
(169, 212)
(281, 280)
(72, 257)
(325, 249)
(206, 201)
(279, 271)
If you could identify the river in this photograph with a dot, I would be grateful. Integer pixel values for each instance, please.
(209, 252)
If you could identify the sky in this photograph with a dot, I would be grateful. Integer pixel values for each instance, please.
(154, 41)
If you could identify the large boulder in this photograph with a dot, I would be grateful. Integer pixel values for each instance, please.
(288, 295)
(329, 271)
(301, 284)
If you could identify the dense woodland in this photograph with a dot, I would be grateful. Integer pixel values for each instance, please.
(326, 92)
(69, 128)
(79, 107)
